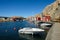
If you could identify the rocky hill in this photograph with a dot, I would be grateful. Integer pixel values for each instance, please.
(53, 10)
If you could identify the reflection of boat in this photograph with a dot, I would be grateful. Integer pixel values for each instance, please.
(40, 36)
(30, 37)
(27, 37)
(30, 30)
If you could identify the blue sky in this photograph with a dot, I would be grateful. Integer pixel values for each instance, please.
(23, 8)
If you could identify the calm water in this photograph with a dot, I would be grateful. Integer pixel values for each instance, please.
(9, 31)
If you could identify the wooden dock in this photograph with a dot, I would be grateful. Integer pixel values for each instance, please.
(54, 32)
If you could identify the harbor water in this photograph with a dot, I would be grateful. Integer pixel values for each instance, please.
(9, 31)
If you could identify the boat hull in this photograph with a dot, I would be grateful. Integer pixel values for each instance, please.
(30, 31)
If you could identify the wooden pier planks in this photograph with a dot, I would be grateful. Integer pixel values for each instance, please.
(54, 32)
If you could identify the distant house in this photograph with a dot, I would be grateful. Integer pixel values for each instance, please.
(46, 18)
(16, 18)
(2, 19)
(38, 18)
(31, 18)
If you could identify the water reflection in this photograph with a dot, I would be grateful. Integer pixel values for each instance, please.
(9, 31)
(33, 37)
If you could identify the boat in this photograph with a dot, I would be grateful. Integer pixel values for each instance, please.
(30, 30)
(47, 24)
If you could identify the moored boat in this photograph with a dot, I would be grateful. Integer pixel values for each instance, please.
(30, 30)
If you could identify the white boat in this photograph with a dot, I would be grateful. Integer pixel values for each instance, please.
(45, 24)
(30, 30)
